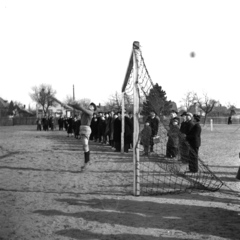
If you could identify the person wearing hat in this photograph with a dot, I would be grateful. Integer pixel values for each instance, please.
(94, 128)
(154, 124)
(189, 122)
(183, 147)
(183, 123)
(113, 117)
(145, 136)
(170, 147)
(173, 139)
(194, 139)
(117, 131)
(185, 127)
(100, 127)
(174, 114)
(85, 129)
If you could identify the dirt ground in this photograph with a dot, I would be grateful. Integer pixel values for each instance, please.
(44, 195)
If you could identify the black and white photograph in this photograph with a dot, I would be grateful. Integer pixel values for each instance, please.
(119, 120)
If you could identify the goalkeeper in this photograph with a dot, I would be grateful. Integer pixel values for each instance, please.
(85, 129)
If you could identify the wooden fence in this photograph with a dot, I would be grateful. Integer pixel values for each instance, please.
(6, 121)
(220, 120)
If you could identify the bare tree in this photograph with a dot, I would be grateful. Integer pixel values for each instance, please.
(188, 100)
(231, 105)
(44, 95)
(114, 102)
(68, 100)
(206, 104)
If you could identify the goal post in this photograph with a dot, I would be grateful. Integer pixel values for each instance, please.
(130, 85)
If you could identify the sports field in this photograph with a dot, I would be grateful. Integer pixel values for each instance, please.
(43, 194)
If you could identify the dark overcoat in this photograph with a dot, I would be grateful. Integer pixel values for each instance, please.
(154, 124)
(117, 130)
(194, 136)
(94, 126)
(128, 132)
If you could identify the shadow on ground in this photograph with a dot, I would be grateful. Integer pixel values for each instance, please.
(145, 214)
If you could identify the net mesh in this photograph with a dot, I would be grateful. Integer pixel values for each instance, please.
(168, 164)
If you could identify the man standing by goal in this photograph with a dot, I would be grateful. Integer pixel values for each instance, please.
(154, 124)
(85, 129)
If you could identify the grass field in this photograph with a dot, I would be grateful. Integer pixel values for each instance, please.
(43, 194)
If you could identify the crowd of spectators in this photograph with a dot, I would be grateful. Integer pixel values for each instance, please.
(184, 134)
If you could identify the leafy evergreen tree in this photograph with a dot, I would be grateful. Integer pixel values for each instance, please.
(156, 101)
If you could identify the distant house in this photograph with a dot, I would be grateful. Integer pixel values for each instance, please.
(22, 112)
(219, 111)
(3, 107)
(192, 109)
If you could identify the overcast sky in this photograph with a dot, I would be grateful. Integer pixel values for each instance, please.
(87, 43)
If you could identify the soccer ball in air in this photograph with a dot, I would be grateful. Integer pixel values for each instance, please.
(192, 54)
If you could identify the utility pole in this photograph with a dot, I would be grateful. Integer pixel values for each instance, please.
(73, 100)
(73, 94)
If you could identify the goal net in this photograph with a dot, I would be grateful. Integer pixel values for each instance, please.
(161, 164)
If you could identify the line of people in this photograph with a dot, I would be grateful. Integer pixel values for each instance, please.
(104, 128)
(46, 123)
(107, 127)
(184, 137)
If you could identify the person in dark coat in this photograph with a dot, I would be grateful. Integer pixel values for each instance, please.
(117, 132)
(94, 128)
(186, 126)
(229, 120)
(100, 126)
(103, 129)
(70, 126)
(130, 115)
(154, 124)
(113, 117)
(170, 148)
(51, 123)
(183, 123)
(194, 139)
(45, 123)
(60, 123)
(65, 124)
(173, 138)
(145, 136)
(128, 133)
(76, 126)
(183, 145)
(189, 122)
(107, 128)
